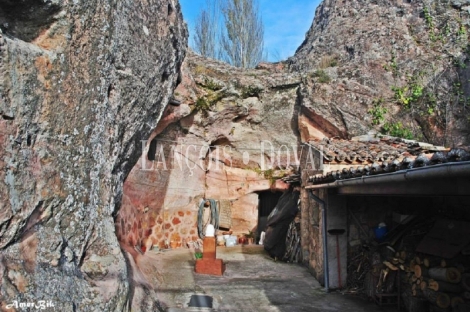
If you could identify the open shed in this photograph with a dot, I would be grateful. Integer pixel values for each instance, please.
(391, 212)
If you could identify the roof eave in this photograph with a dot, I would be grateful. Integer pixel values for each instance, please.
(443, 171)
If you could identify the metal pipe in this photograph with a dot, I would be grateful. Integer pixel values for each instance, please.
(325, 239)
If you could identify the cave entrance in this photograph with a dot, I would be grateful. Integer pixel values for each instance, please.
(267, 200)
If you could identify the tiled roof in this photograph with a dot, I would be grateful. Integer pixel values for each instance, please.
(369, 155)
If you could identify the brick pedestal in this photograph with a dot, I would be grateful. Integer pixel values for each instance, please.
(208, 248)
(209, 264)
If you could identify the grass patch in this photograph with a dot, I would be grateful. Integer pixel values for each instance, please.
(322, 76)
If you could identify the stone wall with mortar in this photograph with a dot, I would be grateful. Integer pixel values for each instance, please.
(311, 234)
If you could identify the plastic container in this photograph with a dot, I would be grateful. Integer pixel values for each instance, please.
(230, 241)
(380, 232)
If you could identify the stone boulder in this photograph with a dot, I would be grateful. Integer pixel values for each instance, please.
(399, 67)
(81, 84)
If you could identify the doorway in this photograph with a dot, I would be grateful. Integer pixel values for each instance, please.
(267, 200)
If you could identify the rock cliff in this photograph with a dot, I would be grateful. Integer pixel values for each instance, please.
(397, 67)
(400, 67)
(81, 84)
(234, 133)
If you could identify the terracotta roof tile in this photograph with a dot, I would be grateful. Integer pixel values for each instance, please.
(369, 155)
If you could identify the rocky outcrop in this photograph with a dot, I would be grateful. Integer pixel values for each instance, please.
(81, 84)
(234, 134)
(400, 67)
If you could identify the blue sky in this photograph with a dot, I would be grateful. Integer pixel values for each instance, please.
(285, 22)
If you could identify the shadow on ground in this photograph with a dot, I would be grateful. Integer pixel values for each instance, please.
(253, 281)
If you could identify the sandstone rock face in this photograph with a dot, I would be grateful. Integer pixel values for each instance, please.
(223, 142)
(396, 66)
(81, 84)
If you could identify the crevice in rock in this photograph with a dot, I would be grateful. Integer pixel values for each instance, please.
(286, 86)
(28, 139)
(3, 227)
(152, 149)
(240, 118)
(165, 76)
(295, 116)
(221, 141)
(170, 9)
(6, 117)
(110, 90)
(321, 123)
(26, 19)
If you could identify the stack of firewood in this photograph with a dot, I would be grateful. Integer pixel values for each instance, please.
(431, 278)
(425, 283)
(394, 268)
(383, 276)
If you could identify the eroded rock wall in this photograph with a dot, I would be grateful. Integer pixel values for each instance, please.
(81, 84)
(211, 146)
(394, 66)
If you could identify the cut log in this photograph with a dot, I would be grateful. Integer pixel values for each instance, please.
(423, 285)
(414, 278)
(431, 262)
(421, 270)
(390, 266)
(430, 295)
(445, 287)
(426, 262)
(418, 260)
(425, 282)
(442, 300)
(466, 282)
(414, 304)
(403, 255)
(451, 275)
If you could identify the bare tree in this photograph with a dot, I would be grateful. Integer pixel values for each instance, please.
(242, 39)
(205, 37)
